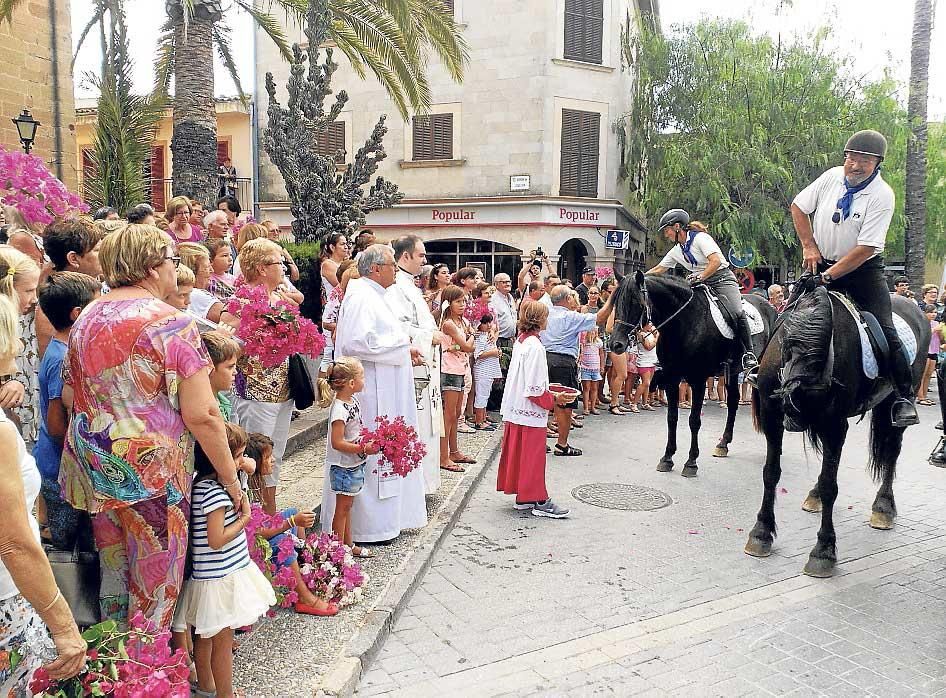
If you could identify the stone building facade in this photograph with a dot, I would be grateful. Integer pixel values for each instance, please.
(523, 154)
(35, 73)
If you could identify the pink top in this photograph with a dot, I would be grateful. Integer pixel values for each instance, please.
(935, 339)
(196, 234)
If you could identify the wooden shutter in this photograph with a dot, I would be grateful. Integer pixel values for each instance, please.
(449, 5)
(157, 177)
(433, 137)
(584, 30)
(332, 140)
(580, 146)
(223, 152)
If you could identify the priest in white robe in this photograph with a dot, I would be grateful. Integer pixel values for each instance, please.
(367, 330)
(412, 310)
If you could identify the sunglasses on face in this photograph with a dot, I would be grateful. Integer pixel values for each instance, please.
(176, 261)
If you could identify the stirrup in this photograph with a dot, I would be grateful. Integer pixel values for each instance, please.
(752, 376)
(938, 455)
(909, 419)
(749, 362)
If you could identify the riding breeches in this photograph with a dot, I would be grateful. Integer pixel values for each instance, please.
(723, 283)
(868, 289)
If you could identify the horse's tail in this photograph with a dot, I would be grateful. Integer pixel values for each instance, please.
(885, 442)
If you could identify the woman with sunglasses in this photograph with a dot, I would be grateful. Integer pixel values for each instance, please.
(179, 221)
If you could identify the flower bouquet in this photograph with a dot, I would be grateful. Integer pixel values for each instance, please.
(476, 310)
(602, 273)
(329, 570)
(26, 184)
(261, 552)
(272, 333)
(401, 449)
(133, 663)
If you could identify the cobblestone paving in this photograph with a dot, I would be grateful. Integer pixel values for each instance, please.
(665, 602)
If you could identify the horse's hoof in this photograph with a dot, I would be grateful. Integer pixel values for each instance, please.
(689, 470)
(819, 567)
(758, 547)
(720, 452)
(665, 465)
(811, 504)
(881, 521)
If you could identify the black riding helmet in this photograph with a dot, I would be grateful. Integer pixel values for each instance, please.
(867, 143)
(672, 217)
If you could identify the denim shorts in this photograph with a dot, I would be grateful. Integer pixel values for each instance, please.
(451, 381)
(348, 481)
(590, 375)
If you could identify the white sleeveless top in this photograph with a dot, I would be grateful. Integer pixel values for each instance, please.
(31, 485)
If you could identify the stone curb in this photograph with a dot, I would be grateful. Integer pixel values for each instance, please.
(306, 435)
(342, 679)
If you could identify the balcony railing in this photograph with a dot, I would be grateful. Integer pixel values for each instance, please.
(162, 190)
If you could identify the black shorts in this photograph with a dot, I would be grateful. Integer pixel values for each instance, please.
(563, 369)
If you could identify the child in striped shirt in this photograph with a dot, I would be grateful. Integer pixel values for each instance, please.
(486, 369)
(226, 590)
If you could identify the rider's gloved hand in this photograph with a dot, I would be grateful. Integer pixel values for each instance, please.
(694, 279)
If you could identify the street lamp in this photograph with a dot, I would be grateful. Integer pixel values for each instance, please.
(26, 126)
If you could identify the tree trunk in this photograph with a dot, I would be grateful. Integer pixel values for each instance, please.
(914, 244)
(194, 139)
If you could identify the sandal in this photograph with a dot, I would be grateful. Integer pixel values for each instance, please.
(616, 409)
(485, 426)
(576, 424)
(925, 402)
(633, 408)
(593, 411)
(462, 458)
(647, 406)
(684, 406)
(566, 450)
(453, 468)
(550, 434)
(362, 552)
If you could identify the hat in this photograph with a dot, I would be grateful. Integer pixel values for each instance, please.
(588, 270)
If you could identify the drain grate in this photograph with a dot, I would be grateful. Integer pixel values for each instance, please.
(616, 495)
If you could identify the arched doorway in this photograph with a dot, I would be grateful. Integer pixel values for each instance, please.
(571, 260)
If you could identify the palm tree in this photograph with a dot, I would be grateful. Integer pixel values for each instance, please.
(914, 243)
(389, 38)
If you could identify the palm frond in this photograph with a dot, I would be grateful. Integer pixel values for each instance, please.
(428, 24)
(97, 14)
(164, 64)
(221, 42)
(268, 24)
(7, 7)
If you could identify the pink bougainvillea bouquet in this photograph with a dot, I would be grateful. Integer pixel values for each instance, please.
(272, 332)
(27, 185)
(401, 449)
(476, 310)
(136, 662)
(602, 273)
(327, 565)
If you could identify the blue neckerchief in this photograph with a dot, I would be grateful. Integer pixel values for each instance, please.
(844, 203)
(685, 246)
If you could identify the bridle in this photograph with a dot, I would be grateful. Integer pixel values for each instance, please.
(645, 315)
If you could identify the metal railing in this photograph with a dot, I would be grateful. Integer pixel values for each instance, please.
(162, 191)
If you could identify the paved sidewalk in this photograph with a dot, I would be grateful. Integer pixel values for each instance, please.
(665, 602)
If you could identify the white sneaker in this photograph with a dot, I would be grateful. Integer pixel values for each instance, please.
(550, 510)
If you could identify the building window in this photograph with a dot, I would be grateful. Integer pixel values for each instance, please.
(223, 152)
(448, 4)
(433, 137)
(490, 257)
(331, 141)
(584, 30)
(580, 146)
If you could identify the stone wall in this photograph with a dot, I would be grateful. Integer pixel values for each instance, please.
(27, 51)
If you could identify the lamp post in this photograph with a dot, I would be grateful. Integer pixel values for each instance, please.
(26, 126)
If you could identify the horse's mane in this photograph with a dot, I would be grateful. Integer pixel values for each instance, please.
(807, 331)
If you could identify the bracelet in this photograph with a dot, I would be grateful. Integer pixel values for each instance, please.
(291, 521)
(236, 481)
(53, 602)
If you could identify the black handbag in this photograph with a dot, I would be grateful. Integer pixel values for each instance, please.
(79, 578)
(302, 390)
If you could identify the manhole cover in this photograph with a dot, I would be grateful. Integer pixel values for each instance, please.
(615, 495)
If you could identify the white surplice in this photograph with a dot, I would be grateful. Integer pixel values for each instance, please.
(368, 330)
(412, 310)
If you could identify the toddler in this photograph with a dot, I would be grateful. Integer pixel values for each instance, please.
(485, 370)
(226, 590)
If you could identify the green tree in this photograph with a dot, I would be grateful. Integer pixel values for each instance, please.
(125, 124)
(731, 126)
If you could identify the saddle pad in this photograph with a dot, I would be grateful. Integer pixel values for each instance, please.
(756, 324)
(868, 357)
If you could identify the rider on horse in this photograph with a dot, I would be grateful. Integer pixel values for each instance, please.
(697, 252)
(842, 219)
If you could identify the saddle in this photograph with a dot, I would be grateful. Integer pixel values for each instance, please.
(875, 351)
(725, 323)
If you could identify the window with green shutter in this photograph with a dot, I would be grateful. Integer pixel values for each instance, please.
(584, 30)
(580, 145)
(448, 4)
(330, 143)
(433, 137)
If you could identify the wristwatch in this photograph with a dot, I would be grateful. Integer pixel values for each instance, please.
(826, 278)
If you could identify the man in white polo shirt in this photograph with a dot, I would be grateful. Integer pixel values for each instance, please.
(842, 219)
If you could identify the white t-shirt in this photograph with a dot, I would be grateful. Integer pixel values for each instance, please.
(201, 303)
(31, 485)
(547, 300)
(350, 414)
(703, 246)
(871, 212)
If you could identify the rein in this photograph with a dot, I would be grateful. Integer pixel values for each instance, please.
(647, 314)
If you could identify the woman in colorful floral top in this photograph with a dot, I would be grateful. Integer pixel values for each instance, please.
(262, 403)
(139, 376)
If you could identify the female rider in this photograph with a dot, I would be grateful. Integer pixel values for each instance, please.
(697, 252)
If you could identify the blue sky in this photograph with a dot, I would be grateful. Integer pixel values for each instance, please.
(876, 32)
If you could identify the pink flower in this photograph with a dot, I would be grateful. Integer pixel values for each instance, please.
(273, 332)
(28, 185)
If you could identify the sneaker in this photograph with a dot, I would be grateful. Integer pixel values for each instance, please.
(523, 506)
(549, 509)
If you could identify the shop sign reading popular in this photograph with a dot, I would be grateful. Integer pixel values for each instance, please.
(452, 215)
(571, 215)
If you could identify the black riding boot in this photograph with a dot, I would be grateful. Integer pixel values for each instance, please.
(903, 411)
(749, 360)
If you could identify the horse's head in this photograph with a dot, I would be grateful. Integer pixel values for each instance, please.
(805, 375)
(629, 308)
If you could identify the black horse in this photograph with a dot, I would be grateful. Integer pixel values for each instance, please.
(811, 379)
(691, 348)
